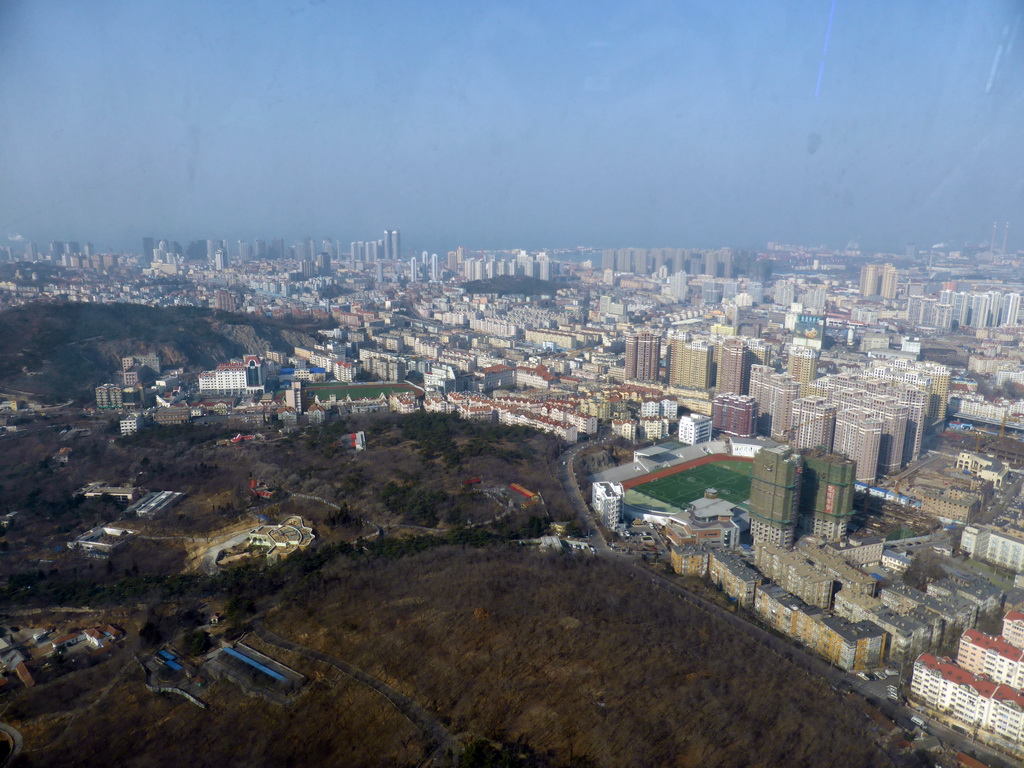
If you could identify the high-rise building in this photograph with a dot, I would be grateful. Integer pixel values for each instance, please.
(803, 366)
(1010, 313)
(606, 499)
(760, 352)
(869, 277)
(775, 496)
(887, 282)
(146, 257)
(691, 363)
(859, 436)
(775, 394)
(677, 287)
(323, 263)
(694, 429)
(643, 355)
(734, 361)
(734, 415)
(826, 494)
(393, 244)
(894, 417)
(814, 423)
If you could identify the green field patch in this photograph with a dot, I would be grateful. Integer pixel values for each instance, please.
(732, 479)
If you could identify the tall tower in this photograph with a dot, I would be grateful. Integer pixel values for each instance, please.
(691, 364)
(734, 367)
(148, 245)
(775, 496)
(734, 414)
(869, 275)
(859, 436)
(887, 284)
(395, 239)
(803, 366)
(814, 423)
(643, 353)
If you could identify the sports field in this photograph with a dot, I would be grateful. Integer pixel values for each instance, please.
(731, 478)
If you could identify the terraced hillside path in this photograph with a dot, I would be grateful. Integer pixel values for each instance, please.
(431, 727)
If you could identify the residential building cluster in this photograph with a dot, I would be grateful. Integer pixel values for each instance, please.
(981, 689)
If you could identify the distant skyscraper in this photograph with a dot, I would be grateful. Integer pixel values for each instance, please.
(414, 273)
(435, 271)
(677, 287)
(887, 283)
(220, 259)
(392, 244)
(1010, 310)
(643, 354)
(146, 257)
(323, 263)
(869, 277)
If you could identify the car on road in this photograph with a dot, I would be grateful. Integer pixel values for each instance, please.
(917, 721)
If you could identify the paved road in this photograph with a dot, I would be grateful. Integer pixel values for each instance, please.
(784, 649)
(208, 564)
(567, 477)
(18, 743)
(431, 727)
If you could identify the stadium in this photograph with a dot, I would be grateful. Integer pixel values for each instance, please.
(701, 490)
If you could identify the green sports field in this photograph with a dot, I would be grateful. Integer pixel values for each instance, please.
(731, 478)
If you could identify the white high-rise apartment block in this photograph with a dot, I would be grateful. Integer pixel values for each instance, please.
(606, 499)
(694, 429)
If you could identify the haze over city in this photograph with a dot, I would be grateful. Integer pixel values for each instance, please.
(513, 125)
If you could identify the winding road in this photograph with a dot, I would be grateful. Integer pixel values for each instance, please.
(17, 743)
(208, 564)
(416, 714)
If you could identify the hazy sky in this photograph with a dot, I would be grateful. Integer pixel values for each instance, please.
(521, 124)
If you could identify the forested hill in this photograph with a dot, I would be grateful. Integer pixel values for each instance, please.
(62, 351)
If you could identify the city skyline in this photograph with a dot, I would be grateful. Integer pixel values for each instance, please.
(502, 126)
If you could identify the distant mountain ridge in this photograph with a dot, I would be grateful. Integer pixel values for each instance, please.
(62, 351)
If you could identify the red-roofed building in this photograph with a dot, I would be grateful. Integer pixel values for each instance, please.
(992, 657)
(1013, 628)
(995, 710)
